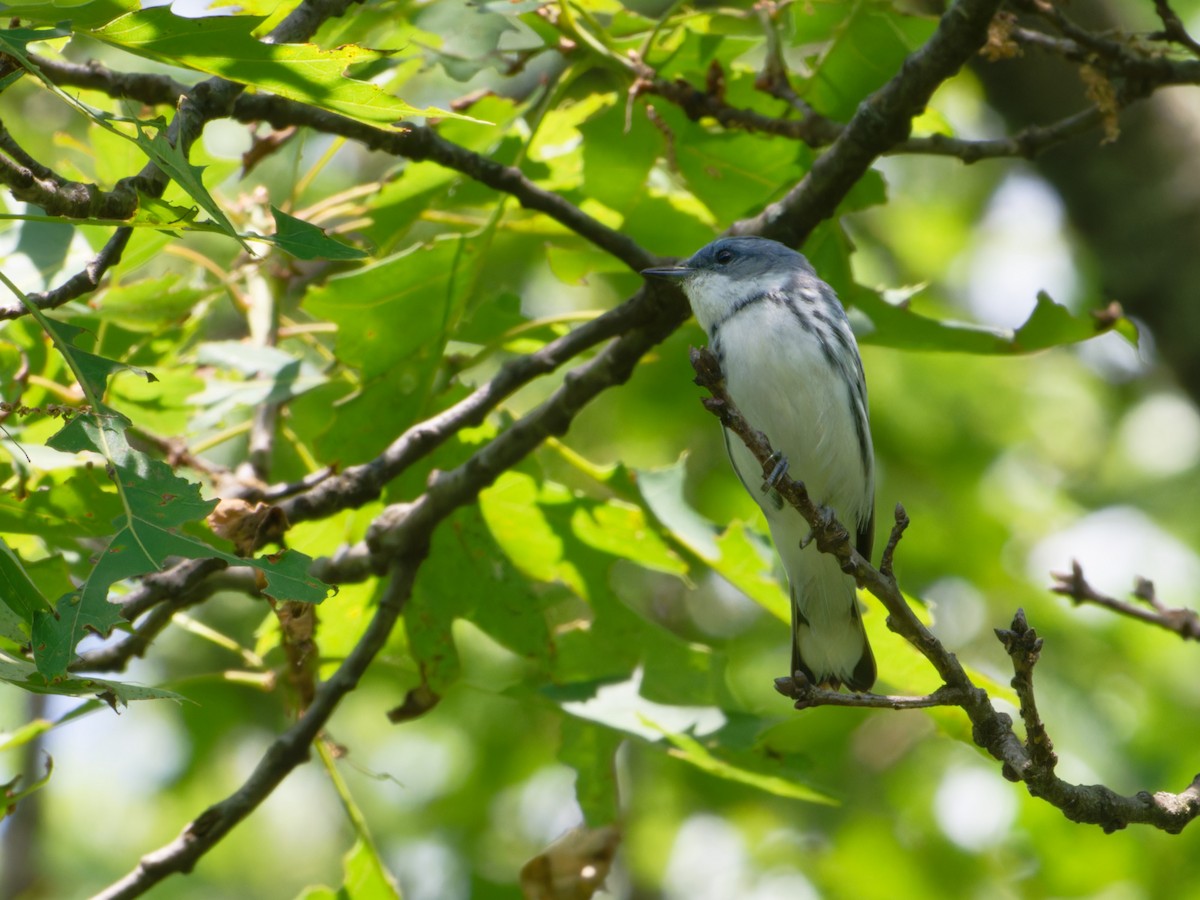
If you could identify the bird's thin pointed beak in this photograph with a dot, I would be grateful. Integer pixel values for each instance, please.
(670, 272)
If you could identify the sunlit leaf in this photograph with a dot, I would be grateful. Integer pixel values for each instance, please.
(304, 240)
(157, 503)
(17, 590)
(225, 46)
(26, 676)
(365, 878)
(707, 759)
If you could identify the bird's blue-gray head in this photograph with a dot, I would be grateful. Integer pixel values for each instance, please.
(727, 272)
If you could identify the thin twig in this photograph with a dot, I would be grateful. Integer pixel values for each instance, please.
(116, 656)
(807, 695)
(1182, 621)
(889, 551)
(1024, 647)
(1031, 761)
(1025, 144)
(1173, 29)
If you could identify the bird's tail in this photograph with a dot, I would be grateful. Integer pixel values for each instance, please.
(829, 644)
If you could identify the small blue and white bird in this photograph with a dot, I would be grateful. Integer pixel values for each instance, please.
(791, 365)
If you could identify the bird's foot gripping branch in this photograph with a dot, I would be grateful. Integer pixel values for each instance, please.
(1029, 759)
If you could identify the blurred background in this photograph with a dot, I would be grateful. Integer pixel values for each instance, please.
(1011, 466)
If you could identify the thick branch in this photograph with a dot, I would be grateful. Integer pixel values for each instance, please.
(361, 484)
(116, 656)
(882, 121)
(61, 197)
(285, 753)
(400, 536)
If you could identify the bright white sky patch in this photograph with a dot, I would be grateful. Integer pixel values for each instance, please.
(1115, 545)
(1161, 435)
(1020, 250)
(974, 807)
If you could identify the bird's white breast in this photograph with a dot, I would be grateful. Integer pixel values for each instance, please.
(778, 376)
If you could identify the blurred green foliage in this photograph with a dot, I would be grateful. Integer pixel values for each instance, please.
(603, 627)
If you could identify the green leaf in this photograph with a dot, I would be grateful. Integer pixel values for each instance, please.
(467, 576)
(269, 375)
(891, 325)
(10, 796)
(735, 555)
(392, 310)
(151, 136)
(736, 174)
(534, 528)
(392, 318)
(618, 156)
(15, 41)
(226, 46)
(150, 303)
(622, 530)
(25, 676)
(94, 371)
(591, 750)
(365, 878)
(1053, 325)
(80, 13)
(17, 590)
(708, 757)
(24, 734)
(157, 502)
(1049, 325)
(512, 509)
(858, 48)
(306, 241)
(58, 510)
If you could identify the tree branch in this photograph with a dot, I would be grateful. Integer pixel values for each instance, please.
(882, 121)
(807, 695)
(195, 107)
(82, 282)
(59, 196)
(361, 484)
(285, 753)
(1026, 144)
(400, 537)
(1182, 621)
(116, 656)
(1030, 761)
(1173, 29)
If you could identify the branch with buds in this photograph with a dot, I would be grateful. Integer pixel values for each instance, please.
(1031, 759)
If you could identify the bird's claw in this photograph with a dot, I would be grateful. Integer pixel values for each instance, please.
(780, 469)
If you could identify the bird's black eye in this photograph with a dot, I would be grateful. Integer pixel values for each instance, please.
(724, 257)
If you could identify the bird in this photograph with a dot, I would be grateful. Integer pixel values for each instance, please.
(792, 367)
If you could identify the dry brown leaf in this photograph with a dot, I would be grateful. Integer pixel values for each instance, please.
(248, 526)
(573, 867)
